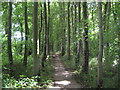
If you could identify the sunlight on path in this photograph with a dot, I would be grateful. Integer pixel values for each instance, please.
(62, 77)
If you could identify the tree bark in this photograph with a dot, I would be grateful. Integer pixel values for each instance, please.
(9, 37)
(75, 32)
(100, 55)
(68, 48)
(48, 35)
(26, 37)
(85, 65)
(79, 25)
(35, 24)
(41, 29)
(45, 35)
(63, 25)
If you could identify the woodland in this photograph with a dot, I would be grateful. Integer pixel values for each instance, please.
(84, 35)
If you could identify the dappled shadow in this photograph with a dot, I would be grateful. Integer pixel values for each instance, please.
(62, 77)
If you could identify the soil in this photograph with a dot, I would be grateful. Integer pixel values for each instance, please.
(63, 78)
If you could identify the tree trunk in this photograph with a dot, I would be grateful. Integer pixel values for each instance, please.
(68, 48)
(26, 37)
(75, 32)
(100, 55)
(63, 25)
(41, 29)
(45, 35)
(79, 25)
(48, 35)
(72, 23)
(35, 24)
(9, 37)
(85, 35)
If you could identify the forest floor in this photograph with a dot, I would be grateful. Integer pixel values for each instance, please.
(63, 78)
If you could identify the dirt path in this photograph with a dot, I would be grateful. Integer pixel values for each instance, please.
(63, 78)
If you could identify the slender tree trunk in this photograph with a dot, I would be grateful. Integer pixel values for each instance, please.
(9, 37)
(79, 42)
(75, 32)
(45, 35)
(68, 48)
(41, 29)
(26, 37)
(35, 24)
(63, 29)
(61, 25)
(72, 23)
(93, 25)
(48, 38)
(100, 55)
(85, 48)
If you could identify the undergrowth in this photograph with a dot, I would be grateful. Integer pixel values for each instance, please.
(23, 77)
(110, 78)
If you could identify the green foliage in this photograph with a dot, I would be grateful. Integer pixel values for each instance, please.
(87, 80)
(69, 64)
(111, 76)
(23, 76)
(46, 72)
(10, 82)
(90, 80)
(93, 63)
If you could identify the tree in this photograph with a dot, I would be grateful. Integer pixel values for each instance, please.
(75, 32)
(68, 47)
(26, 37)
(64, 31)
(41, 28)
(79, 41)
(100, 55)
(85, 41)
(35, 38)
(48, 30)
(45, 35)
(9, 37)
